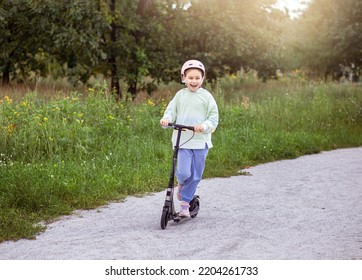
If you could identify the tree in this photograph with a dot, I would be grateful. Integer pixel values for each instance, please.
(330, 35)
(18, 40)
(36, 34)
(348, 35)
(74, 33)
(152, 38)
(142, 42)
(112, 56)
(230, 34)
(124, 43)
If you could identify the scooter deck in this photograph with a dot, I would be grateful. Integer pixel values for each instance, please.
(177, 218)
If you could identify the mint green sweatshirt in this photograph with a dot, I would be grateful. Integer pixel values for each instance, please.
(193, 108)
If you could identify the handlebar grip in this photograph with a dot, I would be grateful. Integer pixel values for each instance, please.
(180, 126)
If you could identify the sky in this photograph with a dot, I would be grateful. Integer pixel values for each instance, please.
(292, 6)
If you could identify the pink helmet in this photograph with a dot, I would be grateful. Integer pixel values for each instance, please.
(192, 64)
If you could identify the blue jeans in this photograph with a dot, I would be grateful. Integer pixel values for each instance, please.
(190, 167)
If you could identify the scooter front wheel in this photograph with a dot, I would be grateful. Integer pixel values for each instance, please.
(165, 217)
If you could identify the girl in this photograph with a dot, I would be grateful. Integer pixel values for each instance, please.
(192, 106)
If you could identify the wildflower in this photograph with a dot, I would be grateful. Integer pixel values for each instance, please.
(24, 104)
(8, 99)
(11, 128)
(110, 117)
(163, 106)
(45, 119)
(150, 102)
(79, 115)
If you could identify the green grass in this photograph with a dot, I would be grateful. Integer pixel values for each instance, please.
(80, 152)
(266, 125)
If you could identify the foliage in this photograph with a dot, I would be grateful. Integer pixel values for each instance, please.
(74, 32)
(18, 40)
(330, 36)
(63, 34)
(139, 43)
(228, 35)
(83, 151)
(142, 42)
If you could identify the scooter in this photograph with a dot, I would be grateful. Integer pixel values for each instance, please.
(168, 212)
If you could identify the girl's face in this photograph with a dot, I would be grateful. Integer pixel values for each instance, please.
(193, 79)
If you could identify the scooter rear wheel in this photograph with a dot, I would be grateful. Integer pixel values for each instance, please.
(194, 206)
(164, 217)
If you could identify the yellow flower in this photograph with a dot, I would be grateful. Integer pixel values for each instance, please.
(8, 99)
(150, 102)
(11, 128)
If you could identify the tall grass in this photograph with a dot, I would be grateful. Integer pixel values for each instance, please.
(286, 122)
(83, 151)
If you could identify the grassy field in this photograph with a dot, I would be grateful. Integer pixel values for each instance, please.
(80, 151)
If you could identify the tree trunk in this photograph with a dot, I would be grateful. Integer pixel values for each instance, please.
(115, 87)
(6, 75)
(132, 89)
(142, 7)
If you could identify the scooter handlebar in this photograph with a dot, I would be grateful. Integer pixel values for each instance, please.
(180, 126)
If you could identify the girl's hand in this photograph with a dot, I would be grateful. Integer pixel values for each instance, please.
(164, 122)
(198, 128)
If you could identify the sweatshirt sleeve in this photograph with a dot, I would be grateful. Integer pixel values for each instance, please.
(212, 121)
(171, 112)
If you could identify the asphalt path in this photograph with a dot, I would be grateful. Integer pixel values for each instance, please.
(309, 208)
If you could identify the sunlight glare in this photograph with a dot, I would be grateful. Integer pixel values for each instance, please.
(295, 7)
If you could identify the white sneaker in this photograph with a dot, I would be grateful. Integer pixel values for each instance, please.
(184, 210)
